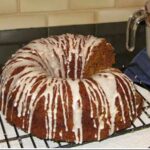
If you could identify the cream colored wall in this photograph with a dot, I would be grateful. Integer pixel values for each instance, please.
(42, 13)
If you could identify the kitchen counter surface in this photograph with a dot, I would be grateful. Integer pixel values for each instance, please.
(137, 139)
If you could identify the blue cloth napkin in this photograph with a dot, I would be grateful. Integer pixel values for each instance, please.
(139, 69)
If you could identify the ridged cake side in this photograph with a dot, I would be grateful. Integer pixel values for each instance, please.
(42, 96)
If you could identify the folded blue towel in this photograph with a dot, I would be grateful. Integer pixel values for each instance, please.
(139, 69)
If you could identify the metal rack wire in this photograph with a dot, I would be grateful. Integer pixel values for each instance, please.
(12, 137)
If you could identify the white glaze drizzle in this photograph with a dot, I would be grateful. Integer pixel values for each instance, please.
(108, 85)
(77, 110)
(51, 50)
(126, 98)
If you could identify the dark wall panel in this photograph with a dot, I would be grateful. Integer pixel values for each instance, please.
(115, 33)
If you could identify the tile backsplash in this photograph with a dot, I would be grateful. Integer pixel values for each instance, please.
(16, 14)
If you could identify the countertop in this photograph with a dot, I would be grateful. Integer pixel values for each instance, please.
(137, 139)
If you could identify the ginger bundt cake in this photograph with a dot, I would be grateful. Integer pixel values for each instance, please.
(63, 88)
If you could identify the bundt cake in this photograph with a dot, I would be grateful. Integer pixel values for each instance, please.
(63, 88)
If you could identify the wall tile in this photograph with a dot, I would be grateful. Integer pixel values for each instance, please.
(70, 18)
(86, 4)
(20, 13)
(42, 5)
(114, 15)
(22, 21)
(8, 6)
(130, 3)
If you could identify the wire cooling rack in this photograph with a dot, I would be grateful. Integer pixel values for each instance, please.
(12, 137)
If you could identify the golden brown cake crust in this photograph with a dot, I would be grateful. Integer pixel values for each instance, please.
(52, 96)
(103, 57)
(39, 121)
